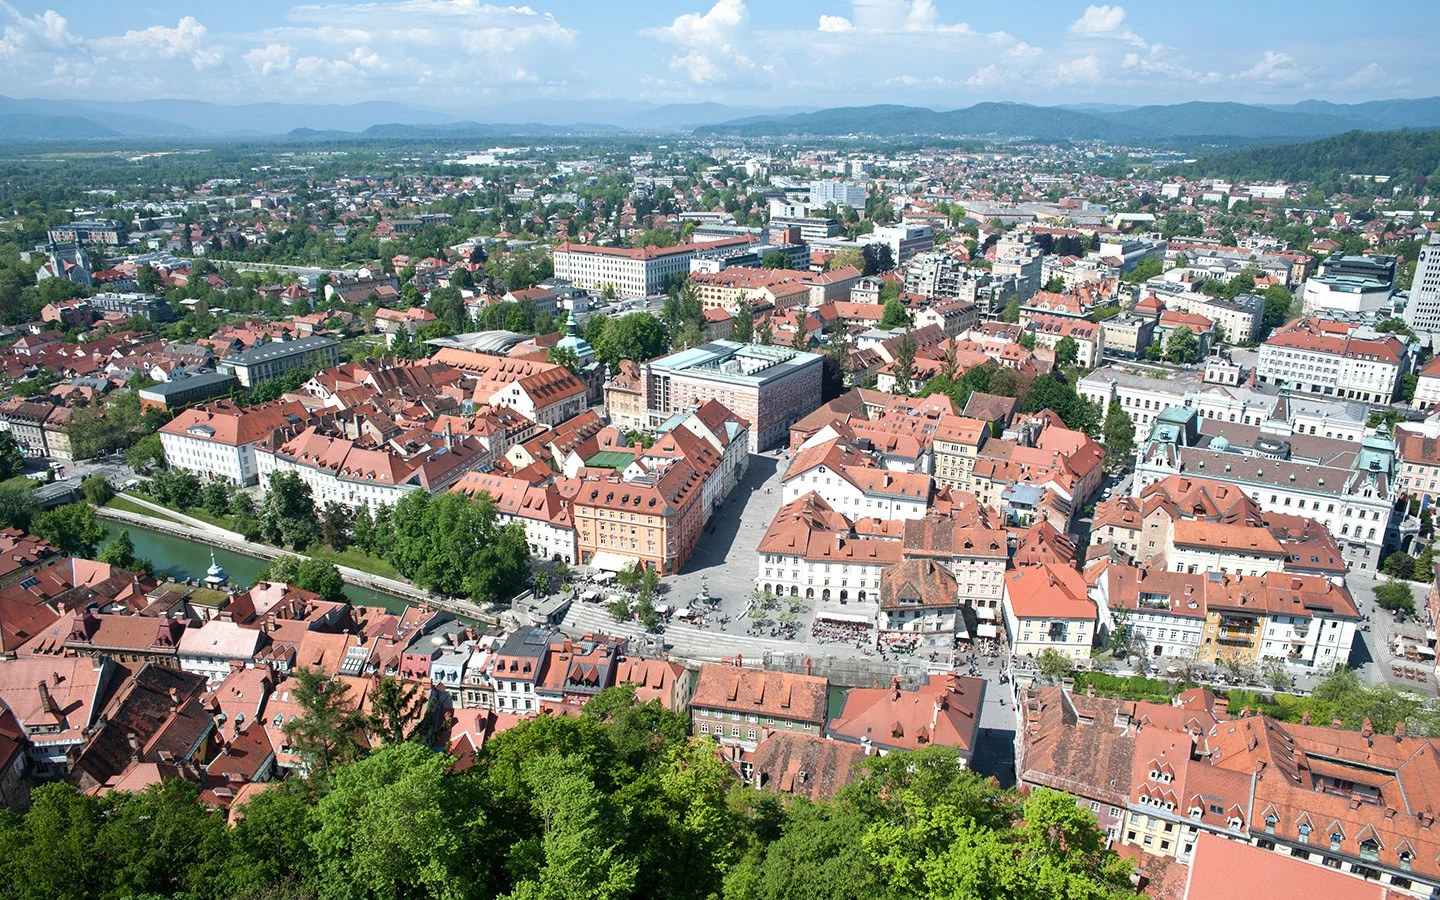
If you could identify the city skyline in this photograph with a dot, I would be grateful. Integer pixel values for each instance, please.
(461, 56)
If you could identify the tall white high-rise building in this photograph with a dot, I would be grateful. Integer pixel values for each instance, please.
(1422, 312)
(841, 193)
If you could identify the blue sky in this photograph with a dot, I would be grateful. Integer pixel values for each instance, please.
(463, 55)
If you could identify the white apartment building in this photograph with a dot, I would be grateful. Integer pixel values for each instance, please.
(1144, 399)
(1422, 312)
(861, 492)
(1240, 317)
(1354, 503)
(1307, 357)
(218, 440)
(841, 193)
(632, 271)
(904, 241)
(1164, 610)
(839, 574)
(1200, 546)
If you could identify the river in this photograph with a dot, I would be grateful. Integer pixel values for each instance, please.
(180, 558)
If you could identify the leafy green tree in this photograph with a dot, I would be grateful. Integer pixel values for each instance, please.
(743, 328)
(396, 708)
(1055, 285)
(775, 260)
(17, 503)
(50, 851)
(1399, 565)
(329, 731)
(1396, 596)
(120, 551)
(894, 315)
(1011, 311)
(215, 497)
(1053, 665)
(362, 529)
(287, 515)
(1144, 270)
(904, 366)
(637, 336)
(1278, 302)
(72, 529)
(95, 489)
(336, 520)
(578, 844)
(1067, 350)
(1182, 345)
(146, 453)
(12, 461)
(1119, 432)
(395, 824)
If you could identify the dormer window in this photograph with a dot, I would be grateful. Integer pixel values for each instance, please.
(1335, 839)
(1270, 821)
(1196, 812)
(1305, 832)
(1406, 857)
(1370, 849)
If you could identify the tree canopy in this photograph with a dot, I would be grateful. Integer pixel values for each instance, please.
(616, 802)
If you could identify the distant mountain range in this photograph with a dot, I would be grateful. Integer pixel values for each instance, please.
(71, 120)
(1298, 121)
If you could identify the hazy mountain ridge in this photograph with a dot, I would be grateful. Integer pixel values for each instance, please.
(97, 120)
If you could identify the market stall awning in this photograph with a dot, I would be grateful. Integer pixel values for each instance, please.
(986, 630)
(610, 562)
(849, 618)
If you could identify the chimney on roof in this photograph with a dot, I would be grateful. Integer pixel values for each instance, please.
(807, 666)
(1366, 729)
(1305, 718)
(174, 695)
(1399, 731)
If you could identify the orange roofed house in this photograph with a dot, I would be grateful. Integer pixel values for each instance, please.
(742, 706)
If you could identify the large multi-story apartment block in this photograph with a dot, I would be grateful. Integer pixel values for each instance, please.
(1422, 312)
(91, 231)
(1332, 360)
(841, 193)
(772, 388)
(629, 271)
(219, 440)
(738, 706)
(274, 359)
(1347, 487)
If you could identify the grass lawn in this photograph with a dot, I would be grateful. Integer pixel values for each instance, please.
(356, 559)
(124, 505)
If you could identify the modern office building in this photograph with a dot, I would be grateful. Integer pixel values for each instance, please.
(1422, 312)
(770, 387)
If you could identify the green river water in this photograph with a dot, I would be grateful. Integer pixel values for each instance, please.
(182, 558)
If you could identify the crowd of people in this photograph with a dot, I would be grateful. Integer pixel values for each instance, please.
(827, 631)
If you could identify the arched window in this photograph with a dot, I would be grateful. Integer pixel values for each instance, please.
(825, 594)
(860, 596)
(844, 596)
(809, 593)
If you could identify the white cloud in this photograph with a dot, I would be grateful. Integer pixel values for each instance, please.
(1373, 76)
(271, 59)
(892, 16)
(1106, 22)
(1273, 68)
(188, 40)
(709, 45)
(1084, 70)
(1137, 63)
(987, 76)
(1023, 51)
(917, 81)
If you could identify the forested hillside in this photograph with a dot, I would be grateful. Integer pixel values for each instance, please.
(1404, 155)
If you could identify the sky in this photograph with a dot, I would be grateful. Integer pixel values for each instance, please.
(464, 55)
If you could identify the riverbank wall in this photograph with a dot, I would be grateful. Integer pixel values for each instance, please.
(212, 536)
